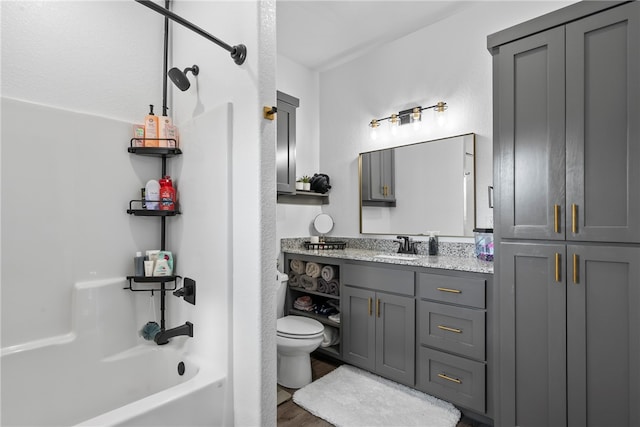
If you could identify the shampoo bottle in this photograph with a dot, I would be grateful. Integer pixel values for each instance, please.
(151, 129)
(139, 264)
(164, 131)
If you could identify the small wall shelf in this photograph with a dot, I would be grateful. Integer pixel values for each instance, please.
(152, 279)
(301, 197)
(150, 212)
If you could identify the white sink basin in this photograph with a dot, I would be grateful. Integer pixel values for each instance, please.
(403, 257)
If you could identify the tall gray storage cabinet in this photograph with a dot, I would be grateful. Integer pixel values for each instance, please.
(567, 215)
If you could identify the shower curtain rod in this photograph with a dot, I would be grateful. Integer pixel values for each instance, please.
(238, 52)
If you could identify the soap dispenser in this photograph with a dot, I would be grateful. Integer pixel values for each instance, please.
(433, 243)
(151, 129)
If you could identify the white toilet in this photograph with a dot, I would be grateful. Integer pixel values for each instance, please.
(297, 337)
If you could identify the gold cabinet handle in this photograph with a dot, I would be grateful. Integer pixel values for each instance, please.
(574, 218)
(369, 306)
(575, 268)
(378, 307)
(448, 378)
(556, 218)
(453, 291)
(446, 328)
(557, 267)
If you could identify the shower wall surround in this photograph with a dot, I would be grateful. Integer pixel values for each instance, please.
(82, 227)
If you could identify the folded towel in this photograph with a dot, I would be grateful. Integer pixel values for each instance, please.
(304, 301)
(309, 283)
(294, 280)
(297, 266)
(313, 269)
(331, 336)
(329, 273)
(334, 287)
(323, 286)
(335, 317)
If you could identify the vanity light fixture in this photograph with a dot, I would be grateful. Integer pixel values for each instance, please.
(411, 115)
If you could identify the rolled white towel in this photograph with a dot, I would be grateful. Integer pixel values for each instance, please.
(298, 266)
(313, 269)
(309, 283)
(328, 273)
(329, 337)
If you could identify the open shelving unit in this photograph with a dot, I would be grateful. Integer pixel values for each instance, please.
(136, 208)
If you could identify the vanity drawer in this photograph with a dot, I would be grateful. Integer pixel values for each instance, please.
(459, 330)
(455, 290)
(460, 381)
(379, 278)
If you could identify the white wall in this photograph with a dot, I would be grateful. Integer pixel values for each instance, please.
(296, 80)
(104, 60)
(447, 61)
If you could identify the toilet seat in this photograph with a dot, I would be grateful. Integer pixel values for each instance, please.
(299, 327)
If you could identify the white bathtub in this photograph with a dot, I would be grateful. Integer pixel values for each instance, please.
(92, 377)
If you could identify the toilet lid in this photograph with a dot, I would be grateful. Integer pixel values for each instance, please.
(299, 326)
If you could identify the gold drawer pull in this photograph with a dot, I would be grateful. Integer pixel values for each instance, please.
(369, 306)
(448, 378)
(557, 267)
(574, 218)
(575, 268)
(453, 291)
(556, 218)
(378, 307)
(446, 328)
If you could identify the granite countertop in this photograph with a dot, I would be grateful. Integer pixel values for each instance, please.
(440, 261)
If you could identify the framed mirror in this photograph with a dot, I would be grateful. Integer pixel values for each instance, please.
(418, 188)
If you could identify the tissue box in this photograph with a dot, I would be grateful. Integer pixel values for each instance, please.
(484, 243)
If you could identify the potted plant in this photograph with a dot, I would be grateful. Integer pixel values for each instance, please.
(306, 183)
(299, 184)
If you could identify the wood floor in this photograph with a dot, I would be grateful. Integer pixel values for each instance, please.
(292, 415)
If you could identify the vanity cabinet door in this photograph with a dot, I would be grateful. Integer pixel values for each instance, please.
(286, 143)
(395, 337)
(603, 338)
(358, 327)
(533, 337)
(530, 177)
(603, 126)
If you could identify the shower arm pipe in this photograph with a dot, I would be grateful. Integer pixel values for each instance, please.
(167, 5)
(238, 52)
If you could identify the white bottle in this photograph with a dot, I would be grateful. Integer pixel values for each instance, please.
(152, 194)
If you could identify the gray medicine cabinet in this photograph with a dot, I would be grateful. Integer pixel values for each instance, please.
(287, 107)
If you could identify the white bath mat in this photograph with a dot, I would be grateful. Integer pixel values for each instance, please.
(351, 397)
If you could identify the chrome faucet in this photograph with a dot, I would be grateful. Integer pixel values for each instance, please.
(407, 246)
(163, 337)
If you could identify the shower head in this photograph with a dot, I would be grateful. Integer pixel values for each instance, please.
(179, 78)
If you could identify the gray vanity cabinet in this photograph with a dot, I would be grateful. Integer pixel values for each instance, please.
(378, 320)
(378, 178)
(286, 143)
(570, 315)
(568, 125)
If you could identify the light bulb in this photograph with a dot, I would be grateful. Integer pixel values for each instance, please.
(416, 117)
(394, 123)
(374, 129)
